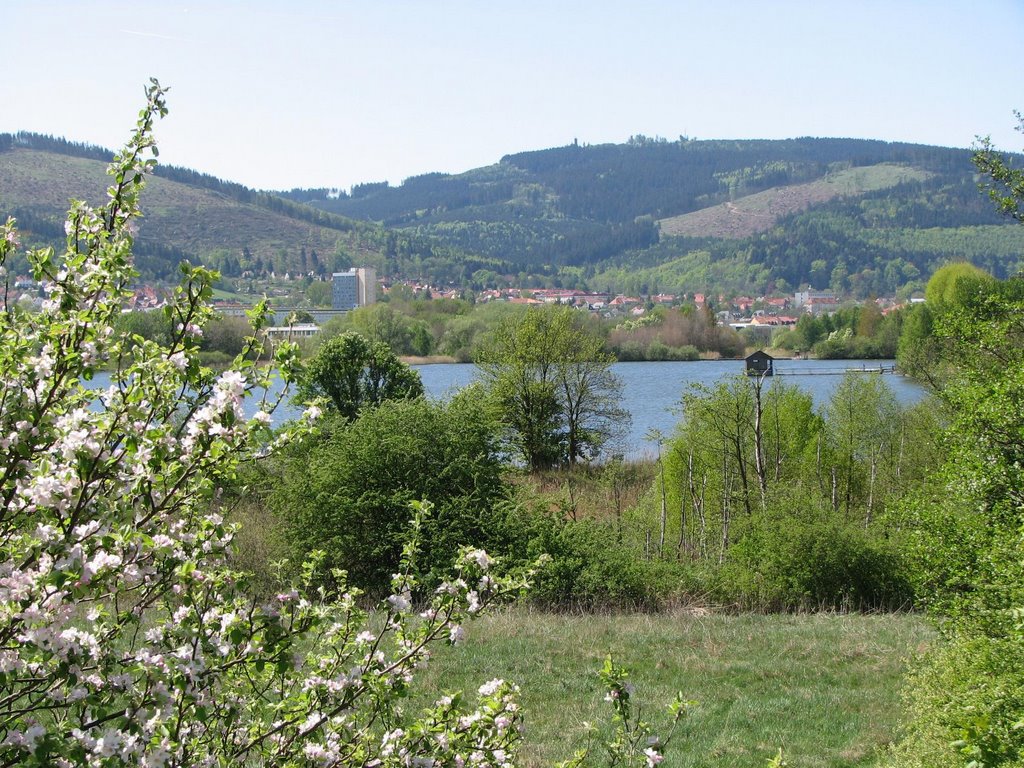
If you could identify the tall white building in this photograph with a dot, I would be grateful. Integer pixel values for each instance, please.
(354, 288)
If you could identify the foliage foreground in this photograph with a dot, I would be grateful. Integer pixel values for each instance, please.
(125, 638)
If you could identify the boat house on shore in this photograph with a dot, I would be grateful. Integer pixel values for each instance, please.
(760, 363)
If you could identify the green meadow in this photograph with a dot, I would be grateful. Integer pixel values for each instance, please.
(825, 688)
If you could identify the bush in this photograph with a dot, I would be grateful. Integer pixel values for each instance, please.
(349, 493)
(590, 567)
(687, 353)
(630, 351)
(657, 350)
(792, 563)
(660, 351)
(225, 335)
(966, 696)
(350, 372)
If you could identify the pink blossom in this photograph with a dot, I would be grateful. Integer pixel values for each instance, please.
(653, 757)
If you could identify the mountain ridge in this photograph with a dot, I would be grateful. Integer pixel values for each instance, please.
(861, 216)
(194, 216)
(608, 216)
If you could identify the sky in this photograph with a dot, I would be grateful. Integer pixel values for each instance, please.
(278, 95)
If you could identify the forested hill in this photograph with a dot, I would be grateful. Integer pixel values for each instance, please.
(194, 216)
(862, 217)
(865, 216)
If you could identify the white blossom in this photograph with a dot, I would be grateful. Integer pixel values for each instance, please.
(653, 756)
(480, 557)
(399, 602)
(491, 687)
(179, 360)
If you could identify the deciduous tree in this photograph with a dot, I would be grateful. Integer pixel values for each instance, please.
(864, 423)
(351, 373)
(967, 697)
(1006, 186)
(554, 382)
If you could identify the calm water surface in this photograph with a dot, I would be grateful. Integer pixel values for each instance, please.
(652, 391)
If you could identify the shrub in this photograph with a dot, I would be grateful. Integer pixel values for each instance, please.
(966, 697)
(798, 563)
(350, 372)
(630, 351)
(687, 353)
(348, 494)
(590, 567)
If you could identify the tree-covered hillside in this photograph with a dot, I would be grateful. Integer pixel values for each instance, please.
(206, 220)
(861, 217)
(857, 215)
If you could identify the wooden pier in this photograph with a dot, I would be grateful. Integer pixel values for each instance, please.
(876, 369)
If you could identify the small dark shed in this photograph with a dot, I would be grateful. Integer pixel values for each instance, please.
(760, 363)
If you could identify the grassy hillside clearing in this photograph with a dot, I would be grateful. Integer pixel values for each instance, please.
(758, 212)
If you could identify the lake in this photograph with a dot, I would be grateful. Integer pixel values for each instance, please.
(652, 391)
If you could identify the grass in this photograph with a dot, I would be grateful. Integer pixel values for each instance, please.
(219, 294)
(759, 211)
(858, 180)
(825, 688)
(600, 491)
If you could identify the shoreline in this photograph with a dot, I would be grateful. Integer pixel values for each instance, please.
(449, 360)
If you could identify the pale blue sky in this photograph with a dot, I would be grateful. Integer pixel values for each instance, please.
(307, 94)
